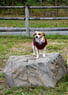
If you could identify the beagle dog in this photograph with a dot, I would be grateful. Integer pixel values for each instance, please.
(39, 43)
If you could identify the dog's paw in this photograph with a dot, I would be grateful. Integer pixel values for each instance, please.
(44, 55)
(37, 56)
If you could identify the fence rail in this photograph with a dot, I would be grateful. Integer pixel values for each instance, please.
(34, 18)
(27, 18)
(49, 18)
(11, 7)
(48, 7)
(12, 18)
(34, 7)
(3, 29)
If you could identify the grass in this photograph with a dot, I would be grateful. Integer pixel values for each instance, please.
(20, 45)
(34, 23)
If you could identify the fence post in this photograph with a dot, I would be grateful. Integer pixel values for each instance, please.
(27, 23)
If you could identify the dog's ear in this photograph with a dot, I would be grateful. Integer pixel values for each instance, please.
(43, 34)
(34, 34)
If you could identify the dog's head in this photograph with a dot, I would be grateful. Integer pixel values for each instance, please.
(38, 35)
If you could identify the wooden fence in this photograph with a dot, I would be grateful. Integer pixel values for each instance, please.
(27, 18)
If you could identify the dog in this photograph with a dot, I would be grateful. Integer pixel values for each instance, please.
(39, 43)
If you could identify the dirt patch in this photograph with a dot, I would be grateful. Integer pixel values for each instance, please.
(56, 43)
(21, 47)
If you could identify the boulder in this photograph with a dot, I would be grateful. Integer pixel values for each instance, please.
(28, 71)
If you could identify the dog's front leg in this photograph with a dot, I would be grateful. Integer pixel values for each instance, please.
(34, 52)
(44, 52)
(37, 52)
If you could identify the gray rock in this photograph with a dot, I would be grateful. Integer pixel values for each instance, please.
(27, 71)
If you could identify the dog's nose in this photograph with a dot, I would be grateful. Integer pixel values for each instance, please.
(36, 36)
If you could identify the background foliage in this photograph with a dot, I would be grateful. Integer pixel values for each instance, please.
(32, 2)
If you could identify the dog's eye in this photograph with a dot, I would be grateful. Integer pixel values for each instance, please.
(39, 34)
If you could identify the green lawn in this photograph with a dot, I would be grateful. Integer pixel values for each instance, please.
(19, 45)
(34, 23)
